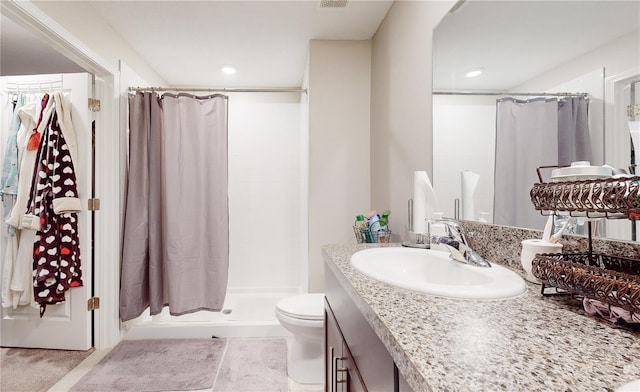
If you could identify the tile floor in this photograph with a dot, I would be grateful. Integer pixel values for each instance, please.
(85, 366)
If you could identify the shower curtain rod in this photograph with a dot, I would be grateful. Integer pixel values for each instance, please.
(222, 90)
(510, 93)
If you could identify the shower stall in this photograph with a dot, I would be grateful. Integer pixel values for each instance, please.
(267, 193)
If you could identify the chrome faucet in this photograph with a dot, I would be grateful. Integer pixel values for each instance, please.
(456, 243)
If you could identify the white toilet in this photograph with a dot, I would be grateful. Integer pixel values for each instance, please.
(303, 316)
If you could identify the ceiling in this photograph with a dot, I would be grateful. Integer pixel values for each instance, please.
(517, 40)
(22, 53)
(187, 42)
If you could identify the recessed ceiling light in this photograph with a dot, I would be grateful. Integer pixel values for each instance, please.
(228, 69)
(474, 72)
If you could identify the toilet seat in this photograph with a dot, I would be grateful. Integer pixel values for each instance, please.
(304, 307)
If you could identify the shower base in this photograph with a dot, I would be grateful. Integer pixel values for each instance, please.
(243, 315)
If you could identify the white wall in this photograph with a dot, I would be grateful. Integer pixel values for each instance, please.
(80, 19)
(464, 136)
(616, 57)
(304, 186)
(339, 115)
(265, 192)
(401, 110)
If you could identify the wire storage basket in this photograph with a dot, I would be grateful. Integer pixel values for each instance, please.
(610, 279)
(364, 235)
(609, 285)
(610, 197)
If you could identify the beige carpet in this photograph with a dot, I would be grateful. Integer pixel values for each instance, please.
(35, 370)
(156, 365)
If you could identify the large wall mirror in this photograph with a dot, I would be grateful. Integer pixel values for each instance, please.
(572, 70)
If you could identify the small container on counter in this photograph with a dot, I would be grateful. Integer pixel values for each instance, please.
(374, 229)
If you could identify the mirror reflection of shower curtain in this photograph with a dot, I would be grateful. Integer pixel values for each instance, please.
(176, 234)
(574, 142)
(532, 133)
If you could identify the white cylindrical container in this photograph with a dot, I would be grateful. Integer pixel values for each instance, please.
(469, 184)
(529, 250)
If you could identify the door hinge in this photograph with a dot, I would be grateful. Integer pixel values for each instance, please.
(94, 105)
(93, 303)
(93, 204)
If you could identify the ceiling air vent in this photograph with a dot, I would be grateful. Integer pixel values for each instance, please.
(333, 3)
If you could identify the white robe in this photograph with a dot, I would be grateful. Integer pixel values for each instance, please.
(21, 283)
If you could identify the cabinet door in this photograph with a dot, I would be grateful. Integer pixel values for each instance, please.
(402, 385)
(332, 350)
(374, 362)
(341, 374)
(353, 380)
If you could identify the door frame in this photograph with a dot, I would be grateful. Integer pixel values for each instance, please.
(615, 146)
(106, 324)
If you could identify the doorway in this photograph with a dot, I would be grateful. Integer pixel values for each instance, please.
(66, 325)
(105, 77)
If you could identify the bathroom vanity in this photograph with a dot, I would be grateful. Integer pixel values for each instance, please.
(384, 338)
(362, 364)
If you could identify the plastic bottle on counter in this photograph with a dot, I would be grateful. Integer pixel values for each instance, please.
(384, 219)
(374, 222)
(363, 225)
(361, 222)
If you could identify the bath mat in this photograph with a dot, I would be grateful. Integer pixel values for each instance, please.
(36, 370)
(253, 365)
(156, 365)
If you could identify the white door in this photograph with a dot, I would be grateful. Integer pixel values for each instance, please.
(67, 325)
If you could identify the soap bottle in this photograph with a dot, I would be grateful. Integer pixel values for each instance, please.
(384, 219)
(363, 225)
(374, 222)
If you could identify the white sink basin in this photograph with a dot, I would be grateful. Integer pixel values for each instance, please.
(433, 272)
(633, 386)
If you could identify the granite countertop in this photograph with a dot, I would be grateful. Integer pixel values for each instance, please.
(527, 343)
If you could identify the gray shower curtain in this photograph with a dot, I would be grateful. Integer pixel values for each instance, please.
(176, 231)
(532, 133)
(574, 142)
